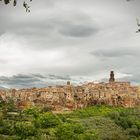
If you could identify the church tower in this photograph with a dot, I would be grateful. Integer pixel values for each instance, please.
(112, 79)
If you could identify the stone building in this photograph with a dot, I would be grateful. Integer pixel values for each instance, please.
(69, 97)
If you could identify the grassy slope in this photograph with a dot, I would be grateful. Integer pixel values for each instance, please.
(92, 123)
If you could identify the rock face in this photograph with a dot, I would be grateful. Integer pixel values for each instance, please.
(70, 97)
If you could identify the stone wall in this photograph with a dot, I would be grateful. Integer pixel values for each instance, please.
(70, 97)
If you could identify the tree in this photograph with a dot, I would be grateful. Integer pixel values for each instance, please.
(25, 4)
(138, 23)
(48, 120)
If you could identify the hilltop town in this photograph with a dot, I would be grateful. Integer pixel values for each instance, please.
(69, 97)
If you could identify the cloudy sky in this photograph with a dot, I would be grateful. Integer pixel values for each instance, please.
(76, 40)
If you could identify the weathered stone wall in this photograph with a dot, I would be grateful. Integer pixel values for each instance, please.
(70, 97)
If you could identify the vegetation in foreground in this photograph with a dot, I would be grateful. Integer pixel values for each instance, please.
(92, 123)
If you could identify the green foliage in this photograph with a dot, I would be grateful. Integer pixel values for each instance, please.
(21, 129)
(32, 111)
(92, 123)
(25, 130)
(91, 111)
(105, 127)
(133, 131)
(64, 118)
(128, 119)
(68, 131)
(46, 109)
(7, 127)
(8, 106)
(48, 120)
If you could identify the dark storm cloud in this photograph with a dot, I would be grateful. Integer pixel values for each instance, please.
(19, 80)
(39, 76)
(44, 27)
(135, 78)
(57, 36)
(44, 33)
(54, 77)
(78, 31)
(63, 27)
(32, 80)
(114, 53)
(39, 30)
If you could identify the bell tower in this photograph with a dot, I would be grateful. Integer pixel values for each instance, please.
(111, 79)
(68, 83)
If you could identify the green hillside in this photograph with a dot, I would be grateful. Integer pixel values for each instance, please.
(92, 123)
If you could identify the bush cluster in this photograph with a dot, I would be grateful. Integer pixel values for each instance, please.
(92, 123)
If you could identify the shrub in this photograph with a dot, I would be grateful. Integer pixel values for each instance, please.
(25, 130)
(133, 131)
(46, 109)
(7, 127)
(69, 131)
(48, 120)
(32, 111)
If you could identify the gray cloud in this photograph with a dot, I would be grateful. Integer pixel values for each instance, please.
(39, 76)
(54, 77)
(135, 79)
(32, 80)
(39, 80)
(67, 37)
(78, 31)
(18, 81)
(115, 53)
